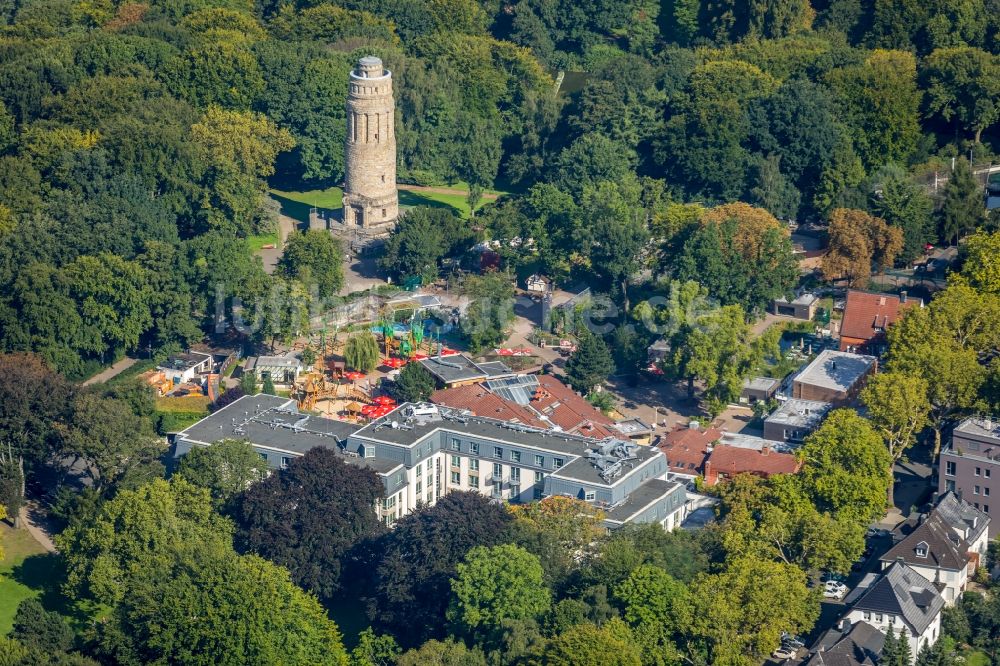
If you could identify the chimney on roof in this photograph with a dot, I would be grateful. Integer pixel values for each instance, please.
(833, 365)
(902, 296)
(693, 425)
(765, 450)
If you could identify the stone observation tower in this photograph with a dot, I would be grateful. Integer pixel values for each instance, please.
(370, 198)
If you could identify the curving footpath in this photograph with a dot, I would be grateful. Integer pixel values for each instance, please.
(39, 533)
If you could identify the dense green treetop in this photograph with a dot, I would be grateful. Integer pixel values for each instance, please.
(136, 533)
(226, 468)
(308, 515)
(846, 469)
(496, 584)
(413, 564)
(315, 257)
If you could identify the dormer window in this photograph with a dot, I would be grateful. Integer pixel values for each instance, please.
(921, 549)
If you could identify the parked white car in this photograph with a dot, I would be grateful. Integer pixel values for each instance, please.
(784, 652)
(834, 589)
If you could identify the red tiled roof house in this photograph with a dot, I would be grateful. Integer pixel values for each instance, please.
(725, 462)
(687, 448)
(867, 315)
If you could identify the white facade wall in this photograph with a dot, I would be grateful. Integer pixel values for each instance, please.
(882, 622)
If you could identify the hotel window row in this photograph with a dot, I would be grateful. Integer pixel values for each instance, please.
(538, 460)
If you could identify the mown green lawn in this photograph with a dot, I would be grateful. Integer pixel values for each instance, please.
(257, 243)
(296, 204)
(22, 571)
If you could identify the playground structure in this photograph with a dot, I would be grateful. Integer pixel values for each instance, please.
(331, 389)
(312, 388)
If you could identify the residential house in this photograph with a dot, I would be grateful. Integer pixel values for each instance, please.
(969, 522)
(795, 419)
(834, 377)
(867, 316)
(687, 447)
(725, 462)
(716, 455)
(970, 462)
(945, 546)
(929, 546)
(848, 644)
(899, 598)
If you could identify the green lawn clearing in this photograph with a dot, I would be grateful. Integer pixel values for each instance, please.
(18, 569)
(26, 571)
(257, 243)
(175, 414)
(457, 202)
(296, 204)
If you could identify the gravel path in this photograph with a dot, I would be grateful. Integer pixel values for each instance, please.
(116, 369)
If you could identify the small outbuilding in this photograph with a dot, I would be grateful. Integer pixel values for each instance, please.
(283, 370)
(802, 306)
(183, 368)
(758, 388)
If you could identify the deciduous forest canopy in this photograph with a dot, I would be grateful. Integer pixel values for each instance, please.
(137, 139)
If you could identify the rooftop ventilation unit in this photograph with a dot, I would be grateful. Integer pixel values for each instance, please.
(611, 456)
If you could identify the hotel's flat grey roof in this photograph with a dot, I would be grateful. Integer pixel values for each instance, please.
(835, 369)
(272, 422)
(582, 469)
(458, 422)
(640, 498)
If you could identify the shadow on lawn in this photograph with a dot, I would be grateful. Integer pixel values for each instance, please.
(410, 198)
(46, 574)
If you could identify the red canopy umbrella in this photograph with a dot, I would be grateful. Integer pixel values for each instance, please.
(448, 352)
(394, 363)
(379, 412)
(418, 357)
(524, 351)
(384, 400)
(505, 352)
(368, 410)
(354, 375)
